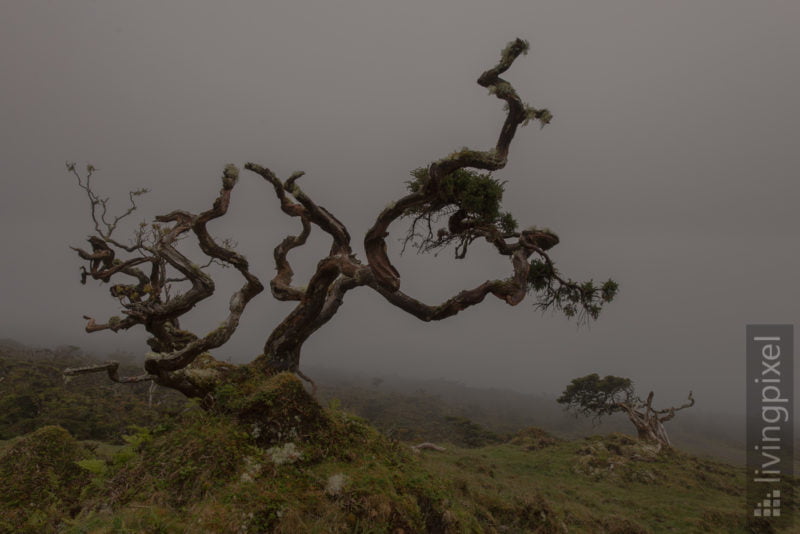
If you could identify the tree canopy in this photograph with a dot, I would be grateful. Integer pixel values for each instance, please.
(593, 396)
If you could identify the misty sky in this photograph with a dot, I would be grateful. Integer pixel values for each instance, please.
(671, 165)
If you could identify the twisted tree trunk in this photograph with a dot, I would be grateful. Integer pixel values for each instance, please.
(649, 422)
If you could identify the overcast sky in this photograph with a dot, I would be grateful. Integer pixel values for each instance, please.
(671, 165)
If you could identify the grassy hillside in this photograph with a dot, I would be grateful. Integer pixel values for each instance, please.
(413, 409)
(284, 463)
(206, 473)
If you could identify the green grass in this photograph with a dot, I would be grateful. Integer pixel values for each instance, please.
(589, 487)
(6, 443)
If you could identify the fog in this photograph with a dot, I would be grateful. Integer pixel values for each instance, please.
(670, 166)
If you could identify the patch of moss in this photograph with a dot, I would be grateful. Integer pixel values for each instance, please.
(216, 475)
(274, 409)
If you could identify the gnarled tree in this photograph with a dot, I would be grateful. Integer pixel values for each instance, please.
(457, 192)
(597, 397)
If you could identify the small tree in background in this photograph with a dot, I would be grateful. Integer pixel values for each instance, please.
(453, 201)
(597, 397)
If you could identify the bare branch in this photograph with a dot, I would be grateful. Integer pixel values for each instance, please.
(309, 213)
(511, 290)
(202, 284)
(114, 324)
(98, 206)
(111, 368)
(670, 412)
(281, 283)
(305, 207)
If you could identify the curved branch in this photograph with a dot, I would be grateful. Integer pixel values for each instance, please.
(511, 290)
(202, 284)
(306, 207)
(375, 240)
(322, 218)
(113, 267)
(517, 113)
(335, 298)
(281, 284)
(309, 213)
(114, 324)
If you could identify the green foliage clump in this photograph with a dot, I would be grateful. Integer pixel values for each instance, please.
(540, 275)
(471, 200)
(574, 299)
(507, 223)
(41, 481)
(477, 194)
